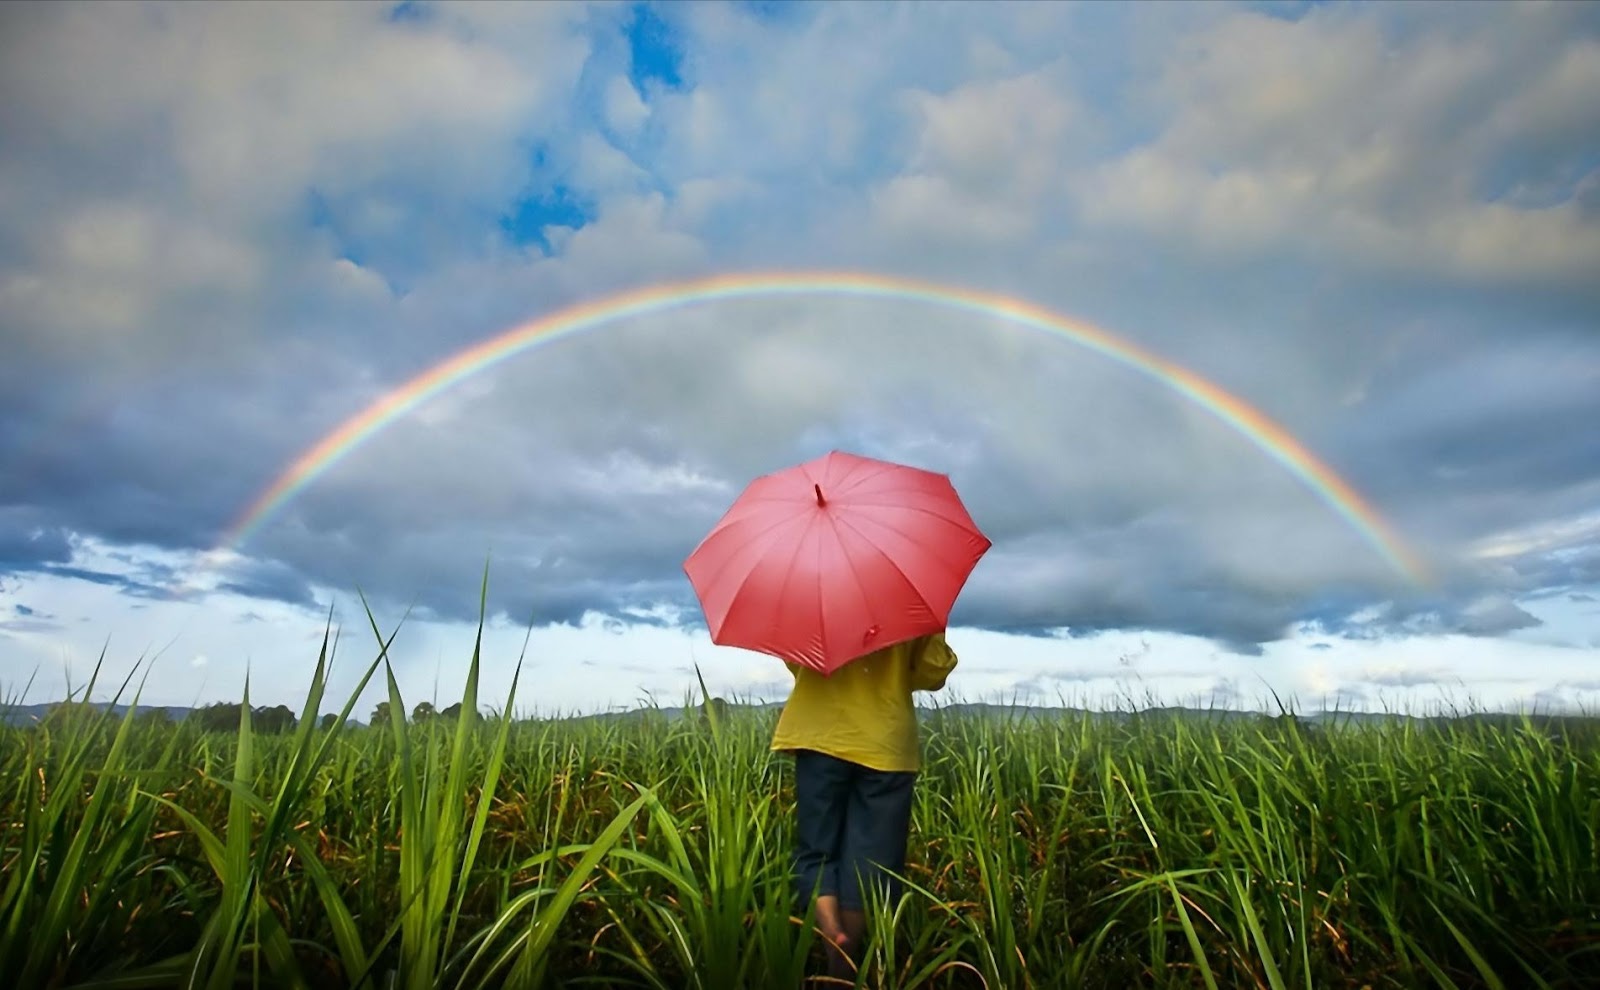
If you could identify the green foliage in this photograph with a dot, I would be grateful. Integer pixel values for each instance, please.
(221, 717)
(1065, 851)
(227, 717)
(380, 715)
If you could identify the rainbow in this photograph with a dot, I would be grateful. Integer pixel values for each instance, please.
(1268, 436)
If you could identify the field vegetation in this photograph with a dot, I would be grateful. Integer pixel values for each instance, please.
(466, 850)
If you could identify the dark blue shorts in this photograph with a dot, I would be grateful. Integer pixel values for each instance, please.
(853, 822)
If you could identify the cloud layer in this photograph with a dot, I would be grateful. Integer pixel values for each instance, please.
(225, 229)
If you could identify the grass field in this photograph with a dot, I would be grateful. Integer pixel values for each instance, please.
(1158, 851)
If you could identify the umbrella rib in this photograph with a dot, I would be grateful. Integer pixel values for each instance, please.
(788, 573)
(853, 473)
(822, 612)
(716, 576)
(902, 533)
(867, 600)
(899, 507)
(897, 569)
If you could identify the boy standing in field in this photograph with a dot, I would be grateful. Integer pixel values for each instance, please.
(856, 757)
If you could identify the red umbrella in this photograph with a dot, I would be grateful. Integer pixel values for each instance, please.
(832, 559)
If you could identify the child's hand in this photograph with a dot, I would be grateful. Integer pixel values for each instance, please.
(932, 660)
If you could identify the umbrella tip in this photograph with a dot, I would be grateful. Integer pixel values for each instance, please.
(818, 490)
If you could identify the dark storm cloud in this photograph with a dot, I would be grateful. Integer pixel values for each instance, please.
(129, 585)
(1491, 616)
(269, 579)
(1478, 426)
(1036, 604)
(25, 544)
(1569, 566)
(1494, 618)
(414, 515)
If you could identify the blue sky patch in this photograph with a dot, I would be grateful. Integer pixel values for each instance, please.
(526, 221)
(1286, 10)
(777, 11)
(409, 11)
(321, 216)
(654, 51)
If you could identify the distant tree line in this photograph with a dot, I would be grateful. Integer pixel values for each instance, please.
(423, 711)
(224, 717)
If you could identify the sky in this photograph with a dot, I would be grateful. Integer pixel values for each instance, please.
(227, 229)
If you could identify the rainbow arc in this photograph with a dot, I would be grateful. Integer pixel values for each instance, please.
(1260, 430)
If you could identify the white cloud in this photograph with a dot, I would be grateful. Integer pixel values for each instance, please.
(599, 664)
(626, 111)
(603, 169)
(632, 240)
(1541, 538)
(259, 102)
(363, 284)
(910, 208)
(625, 473)
(196, 139)
(103, 270)
(1327, 134)
(1001, 138)
(698, 202)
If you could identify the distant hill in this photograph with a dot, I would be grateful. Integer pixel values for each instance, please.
(26, 715)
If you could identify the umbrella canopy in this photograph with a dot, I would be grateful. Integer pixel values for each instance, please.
(829, 560)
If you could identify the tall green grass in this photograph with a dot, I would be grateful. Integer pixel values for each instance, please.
(1061, 851)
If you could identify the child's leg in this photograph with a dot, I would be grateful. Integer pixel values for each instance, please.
(822, 793)
(877, 828)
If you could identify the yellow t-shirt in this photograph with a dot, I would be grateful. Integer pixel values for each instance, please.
(863, 713)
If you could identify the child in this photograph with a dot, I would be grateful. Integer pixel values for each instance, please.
(856, 756)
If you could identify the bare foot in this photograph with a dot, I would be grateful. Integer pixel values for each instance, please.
(853, 935)
(828, 920)
(830, 924)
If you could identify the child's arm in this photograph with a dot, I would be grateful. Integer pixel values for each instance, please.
(932, 660)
